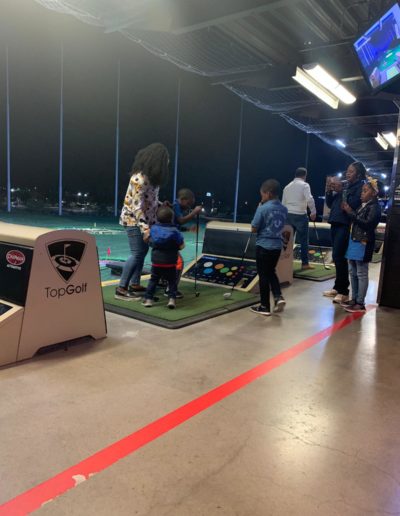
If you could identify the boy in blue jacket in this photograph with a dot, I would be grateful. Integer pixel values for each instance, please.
(165, 241)
(268, 222)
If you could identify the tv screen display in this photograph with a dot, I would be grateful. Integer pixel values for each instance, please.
(378, 49)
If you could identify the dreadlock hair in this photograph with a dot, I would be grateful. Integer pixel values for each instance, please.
(152, 161)
(360, 169)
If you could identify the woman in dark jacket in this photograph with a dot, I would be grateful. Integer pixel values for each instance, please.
(337, 193)
(361, 244)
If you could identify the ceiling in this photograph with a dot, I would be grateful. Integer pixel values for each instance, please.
(252, 47)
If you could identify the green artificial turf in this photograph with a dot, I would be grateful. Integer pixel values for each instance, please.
(190, 309)
(317, 274)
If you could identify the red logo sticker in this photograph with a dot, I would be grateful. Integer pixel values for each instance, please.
(15, 257)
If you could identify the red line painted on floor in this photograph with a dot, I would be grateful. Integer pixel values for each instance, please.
(34, 498)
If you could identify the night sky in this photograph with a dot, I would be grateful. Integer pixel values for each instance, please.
(209, 116)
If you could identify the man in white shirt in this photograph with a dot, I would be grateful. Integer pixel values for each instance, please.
(297, 198)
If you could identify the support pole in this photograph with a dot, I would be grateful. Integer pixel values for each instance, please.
(307, 150)
(117, 143)
(60, 163)
(238, 163)
(389, 280)
(8, 135)
(178, 113)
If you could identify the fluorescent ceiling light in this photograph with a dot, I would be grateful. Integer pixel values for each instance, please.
(319, 91)
(390, 138)
(383, 176)
(325, 79)
(341, 143)
(382, 141)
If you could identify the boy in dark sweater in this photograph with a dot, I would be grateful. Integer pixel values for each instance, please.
(165, 241)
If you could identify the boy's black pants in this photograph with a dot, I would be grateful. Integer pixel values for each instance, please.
(157, 273)
(266, 260)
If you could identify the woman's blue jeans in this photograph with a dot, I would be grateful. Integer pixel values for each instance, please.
(134, 264)
(359, 280)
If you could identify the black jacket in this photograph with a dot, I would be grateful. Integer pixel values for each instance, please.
(365, 220)
(334, 202)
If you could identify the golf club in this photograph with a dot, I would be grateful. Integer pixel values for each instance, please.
(196, 292)
(326, 267)
(228, 295)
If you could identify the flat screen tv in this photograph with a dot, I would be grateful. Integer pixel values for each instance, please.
(378, 50)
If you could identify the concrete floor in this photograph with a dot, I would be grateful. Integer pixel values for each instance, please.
(318, 435)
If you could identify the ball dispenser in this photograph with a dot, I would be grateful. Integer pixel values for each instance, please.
(50, 289)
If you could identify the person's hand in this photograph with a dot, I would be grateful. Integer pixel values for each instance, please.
(197, 210)
(146, 235)
(346, 207)
(337, 186)
(313, 217)
(167, 203)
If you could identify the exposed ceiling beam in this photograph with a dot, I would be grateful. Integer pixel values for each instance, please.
(213, 22)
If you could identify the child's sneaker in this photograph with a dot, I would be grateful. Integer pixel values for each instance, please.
(171, 303)
(259, 309)
(124, 295)
(148, 303)
(350, 302)
(279, 304)
(179, 294)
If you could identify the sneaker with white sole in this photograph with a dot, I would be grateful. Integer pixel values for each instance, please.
(279, 304)
(148, 303)
(179, 294)
(330, 293)
(350, 302)
(259, 309)
(340, 298)
(124, 295)
(171, 303)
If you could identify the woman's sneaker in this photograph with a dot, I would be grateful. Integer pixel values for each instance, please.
(171, 303)
(340, 298)
(148, 303)
(330, 293)
(356, 309)
(259, 309)
(136, 289)
(125, 295)
(279, 304)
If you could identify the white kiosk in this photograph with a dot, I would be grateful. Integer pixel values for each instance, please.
(221, 264)
(50, 289)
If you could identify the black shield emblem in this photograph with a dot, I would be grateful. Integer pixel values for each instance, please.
(66, 256)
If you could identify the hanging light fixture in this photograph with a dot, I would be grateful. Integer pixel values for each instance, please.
(390, 137)
(319, 91)
(386, 139)
(329, 82)
(322, 84)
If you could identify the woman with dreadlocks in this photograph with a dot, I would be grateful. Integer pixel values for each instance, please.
(149, 172)
(362, 243)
